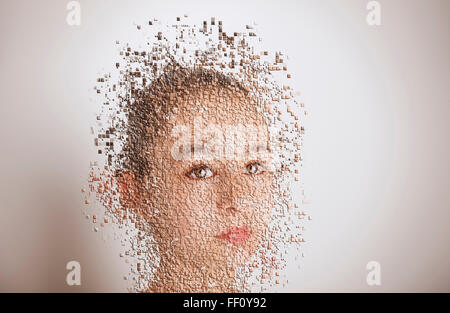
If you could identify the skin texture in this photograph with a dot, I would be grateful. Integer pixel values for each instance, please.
(207, 233)
(207, 216)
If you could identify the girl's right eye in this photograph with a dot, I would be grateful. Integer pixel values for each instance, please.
(200, 172)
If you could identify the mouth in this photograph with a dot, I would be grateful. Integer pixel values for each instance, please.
(235, 235)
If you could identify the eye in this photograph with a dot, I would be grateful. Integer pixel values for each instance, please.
(254, 168)
(200, 172)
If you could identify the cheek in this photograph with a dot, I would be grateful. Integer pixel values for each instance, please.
(259, 216)
(194, 206)
(261, 201)
(186, 221)
(260, 189)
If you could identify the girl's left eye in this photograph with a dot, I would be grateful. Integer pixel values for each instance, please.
(200, 172)
(254, 168)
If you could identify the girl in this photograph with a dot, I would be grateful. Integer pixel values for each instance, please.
(207, 212)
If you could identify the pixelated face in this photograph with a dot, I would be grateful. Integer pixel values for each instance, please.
(184, 132)
(212, 208)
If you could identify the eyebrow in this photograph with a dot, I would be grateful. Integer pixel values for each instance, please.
(195, 148)
(200, 148)
(262, 147)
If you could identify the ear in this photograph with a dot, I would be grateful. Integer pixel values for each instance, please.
(128, 188)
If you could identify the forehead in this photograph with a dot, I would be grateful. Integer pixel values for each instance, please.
(220, 106)
(215, 116)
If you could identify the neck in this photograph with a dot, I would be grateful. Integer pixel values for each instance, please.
(177, 276)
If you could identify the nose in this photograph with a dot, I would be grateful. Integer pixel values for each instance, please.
(226, 195)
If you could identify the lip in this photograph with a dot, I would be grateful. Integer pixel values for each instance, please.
(235, 235)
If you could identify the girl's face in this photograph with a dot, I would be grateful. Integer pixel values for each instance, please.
(209, 211)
